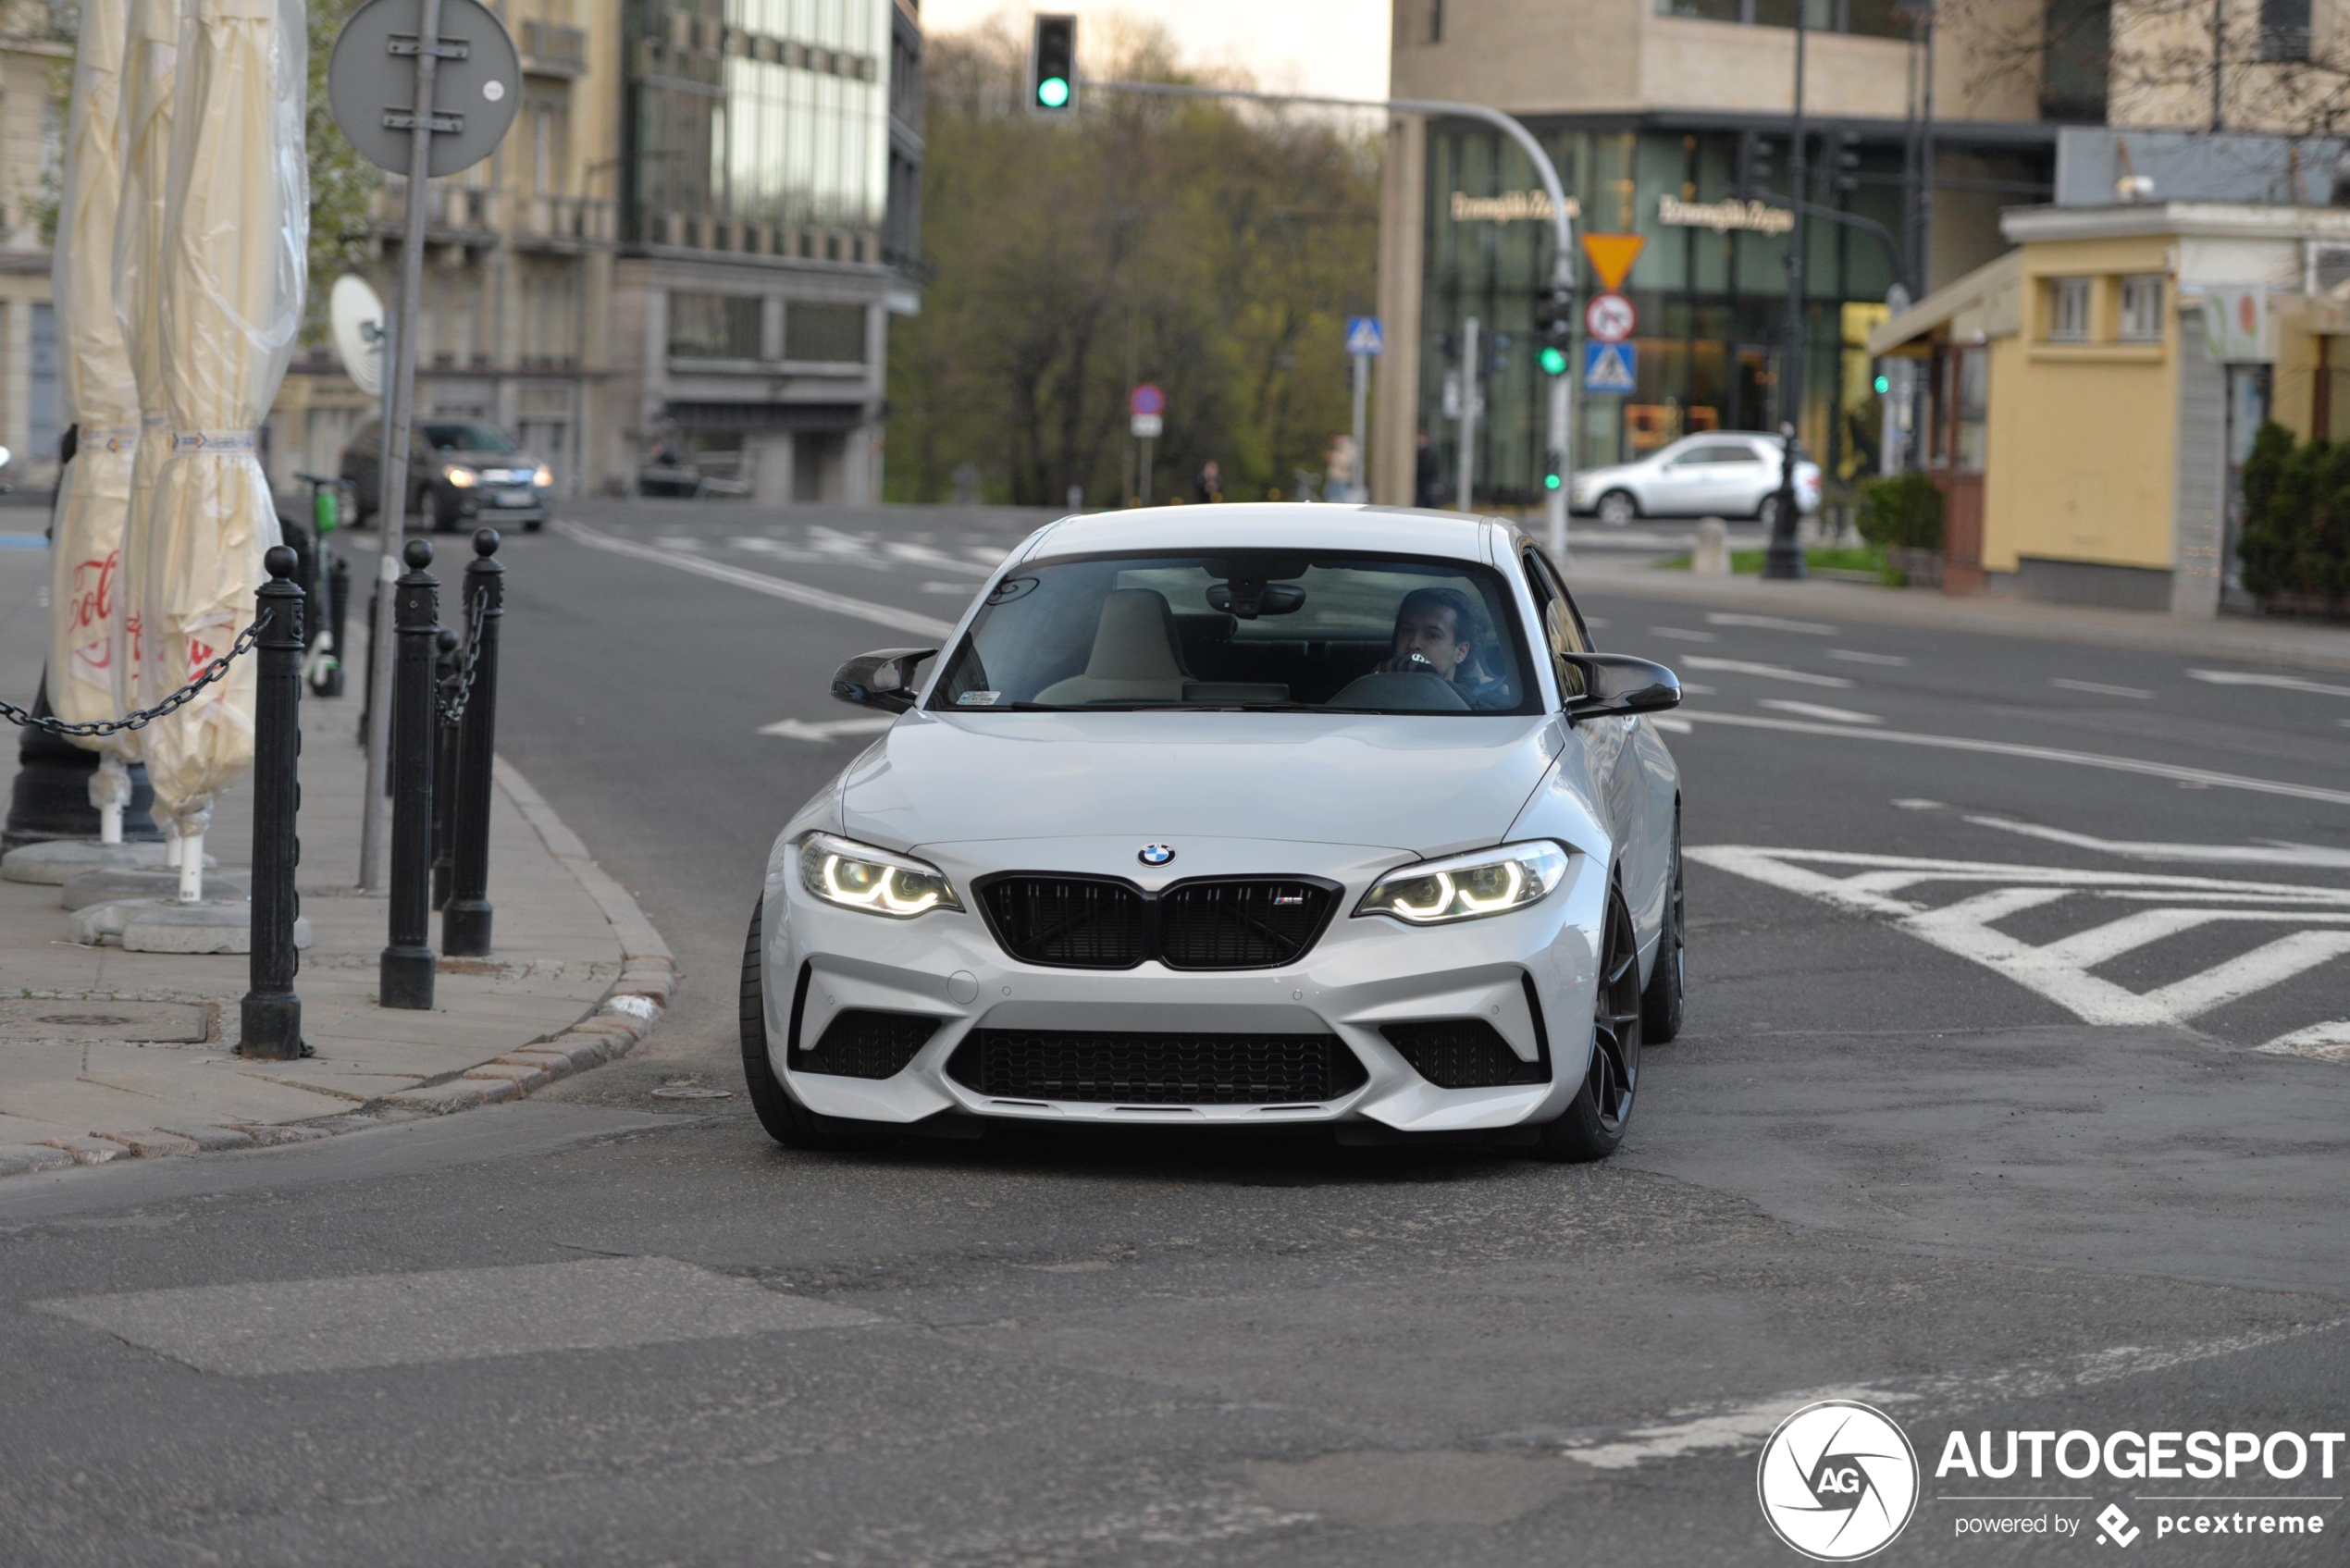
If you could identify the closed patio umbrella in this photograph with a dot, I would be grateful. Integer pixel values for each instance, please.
(102, 399)
(236, 227)
(150, 53)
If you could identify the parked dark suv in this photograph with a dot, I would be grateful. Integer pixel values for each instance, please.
(460, 472)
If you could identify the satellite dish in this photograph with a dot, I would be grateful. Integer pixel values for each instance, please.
(356, 318)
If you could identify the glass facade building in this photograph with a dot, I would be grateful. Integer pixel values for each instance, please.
(1708, 289)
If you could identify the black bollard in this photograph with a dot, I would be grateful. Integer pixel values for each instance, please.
(337, 617)
(464, 924)
(272, 1012)
(444, 760)
(405, 975)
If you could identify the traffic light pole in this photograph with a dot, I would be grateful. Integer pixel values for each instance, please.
(1561, 409)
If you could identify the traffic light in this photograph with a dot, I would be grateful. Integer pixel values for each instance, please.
(1844, 162)
(1754, 166)
(1883, 384)
(1052, 66)
(1554, 331)
(1551, 472)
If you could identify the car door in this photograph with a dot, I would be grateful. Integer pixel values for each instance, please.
(1684, 481)
(1742, 477)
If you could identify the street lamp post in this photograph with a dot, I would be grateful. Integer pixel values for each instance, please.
(1785, 557)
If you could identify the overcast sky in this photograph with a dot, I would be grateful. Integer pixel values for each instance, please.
(1330, 47)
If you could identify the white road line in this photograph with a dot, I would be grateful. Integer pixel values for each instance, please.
(680, 541)
(1679, 635)
(2283, 683)
(1691, 688)
(1918, 802)
(924, 555)
(1672, 725)
(1769, 671)
(2098, 688)
(759, 544)
(1854, 655)
(988, 556)
(826, 728)
(2271, 963)
(2203, 777)
(758, 582)
(1949, 1394)
(962, 590)
(1819, 710)
(2270, 854)
(2327, 1041)
(1770, 624)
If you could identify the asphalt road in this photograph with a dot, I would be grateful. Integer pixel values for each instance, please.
(1971, 1121)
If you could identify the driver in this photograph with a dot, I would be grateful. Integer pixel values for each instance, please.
(1436, 634)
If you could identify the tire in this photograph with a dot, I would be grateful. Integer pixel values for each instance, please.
(786, 1121)
(1617, 508)
(1601, 1109)
(1661, 1002)
(1767, 512)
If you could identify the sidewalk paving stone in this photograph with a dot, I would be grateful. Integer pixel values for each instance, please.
(578, 978)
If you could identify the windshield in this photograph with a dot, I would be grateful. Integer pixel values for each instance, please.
(1281, 632)
(467, 437)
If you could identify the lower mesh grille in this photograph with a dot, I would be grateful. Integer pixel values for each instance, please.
(858, 1044)
(1156, 1070)
(1463, 1053)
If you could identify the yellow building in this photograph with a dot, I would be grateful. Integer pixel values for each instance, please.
(35, 45)
(2092, 393)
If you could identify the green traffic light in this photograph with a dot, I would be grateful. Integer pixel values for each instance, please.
(1883, 385)
(1554, 364)
(1550, 481)
(1053, 91)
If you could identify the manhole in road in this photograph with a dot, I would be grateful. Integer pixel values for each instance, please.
(145, 1023)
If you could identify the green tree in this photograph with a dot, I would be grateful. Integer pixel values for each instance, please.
(1214, 250)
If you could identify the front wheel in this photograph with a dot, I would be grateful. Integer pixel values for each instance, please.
(1594, 1123)
(1617, 508)
(786, 1120)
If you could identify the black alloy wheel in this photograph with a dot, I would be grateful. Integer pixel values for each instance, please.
(1660, 1004)
(1594, 1123)
(786, 1120)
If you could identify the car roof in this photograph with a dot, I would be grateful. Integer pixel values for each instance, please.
(1267, 525)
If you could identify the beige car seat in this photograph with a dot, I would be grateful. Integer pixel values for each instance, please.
(1134, 657)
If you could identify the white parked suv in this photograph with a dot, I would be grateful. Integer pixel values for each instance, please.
(1723, 474)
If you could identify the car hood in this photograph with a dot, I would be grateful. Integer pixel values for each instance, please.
(1411, 783)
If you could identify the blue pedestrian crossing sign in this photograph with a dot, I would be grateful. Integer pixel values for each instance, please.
(1363, 336)
(1608, 367)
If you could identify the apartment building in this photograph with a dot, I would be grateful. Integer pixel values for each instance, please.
(682, 258)
(36, 43)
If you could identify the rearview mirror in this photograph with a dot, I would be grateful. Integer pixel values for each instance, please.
(884, 679)
(1618, 685)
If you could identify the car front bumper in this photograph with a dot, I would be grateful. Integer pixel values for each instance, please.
(1361, 974)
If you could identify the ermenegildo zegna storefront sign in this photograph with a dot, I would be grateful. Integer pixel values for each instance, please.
(1751, 218)
(1510, 206)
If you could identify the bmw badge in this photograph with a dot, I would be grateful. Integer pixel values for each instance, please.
(1155, 854)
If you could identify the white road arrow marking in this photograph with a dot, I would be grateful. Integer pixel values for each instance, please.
(1819, 710)
(2283, 683)
(2061, 970)
(1769, 671)
(826, 728)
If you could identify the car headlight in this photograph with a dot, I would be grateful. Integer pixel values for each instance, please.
(1467, 887)
(461, 478)
(858, 876)
(543, 476)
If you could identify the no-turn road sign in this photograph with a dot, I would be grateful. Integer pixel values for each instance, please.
(1610, 318)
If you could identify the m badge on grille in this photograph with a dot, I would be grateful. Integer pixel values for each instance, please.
(1155, 854)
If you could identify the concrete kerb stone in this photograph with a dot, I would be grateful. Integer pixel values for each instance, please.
(625, 1014)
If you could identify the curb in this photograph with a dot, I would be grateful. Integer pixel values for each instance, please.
(619, 1021)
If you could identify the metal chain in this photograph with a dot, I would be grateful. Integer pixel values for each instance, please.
(458, 689)
(144, 717)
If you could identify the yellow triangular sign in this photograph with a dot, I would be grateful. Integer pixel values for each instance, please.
(1612, 256)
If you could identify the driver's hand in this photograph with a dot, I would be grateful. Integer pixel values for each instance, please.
(1406, 664)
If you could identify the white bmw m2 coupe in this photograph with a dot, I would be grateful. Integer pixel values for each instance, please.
(1235, 816)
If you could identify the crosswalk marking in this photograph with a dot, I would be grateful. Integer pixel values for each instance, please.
(1893, 887)
(1769, 671)
(2272, 854)
(1819, 710)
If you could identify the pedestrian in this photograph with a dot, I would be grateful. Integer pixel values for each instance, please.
(1425, 486)
(1210, 485)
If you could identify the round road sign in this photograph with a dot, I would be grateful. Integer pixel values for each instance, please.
(1146, 399)
(367, 81)
(1609, 319)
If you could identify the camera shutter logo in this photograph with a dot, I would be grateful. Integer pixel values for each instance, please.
(1837, 1481)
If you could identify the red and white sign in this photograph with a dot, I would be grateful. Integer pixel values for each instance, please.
(1609, 319)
